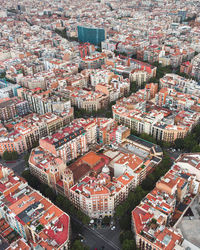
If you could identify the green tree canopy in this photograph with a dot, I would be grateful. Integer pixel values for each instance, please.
(128, 245)
(78, 245)
(126, 235)
(106, 220)
(10, 156)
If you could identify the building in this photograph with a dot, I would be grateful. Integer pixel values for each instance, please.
(143, 216)
(180, 84)
(12, 107)
(42, 102)
(8, 89)
(168, 116)
(139, 76)
(23, 133)
(189, 162)
(196, 67)
(98, 197)
(186, 67)
(35, 218)
(93, 61)
(91, 35)
(155, 220)
(96, 182)
(68, 143)
(122, 133)
(88, 100)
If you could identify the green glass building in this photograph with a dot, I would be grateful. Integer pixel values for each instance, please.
(91, 35)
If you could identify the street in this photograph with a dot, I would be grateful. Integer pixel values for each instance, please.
(97, 238)
(174, 155)
(17, 166)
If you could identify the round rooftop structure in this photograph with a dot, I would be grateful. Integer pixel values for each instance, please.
(106, 170)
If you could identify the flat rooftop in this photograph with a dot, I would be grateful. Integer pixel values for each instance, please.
(140, 141)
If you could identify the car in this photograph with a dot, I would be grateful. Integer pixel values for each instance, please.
(113, 228)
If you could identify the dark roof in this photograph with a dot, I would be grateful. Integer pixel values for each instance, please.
(27, 215)
(160, 125)
(79, 170)
(158, 149)
(185, 176)
(69, 137)
(182, 207)
(140, 141)
(156, 159)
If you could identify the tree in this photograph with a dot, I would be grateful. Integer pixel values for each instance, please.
(85, 219)
(2, 75)
(128, 245)
(35, 144)
(126, 235)
(81, 216)
(148, 183)
(133, 87)
(148, 138)
(125, 221)
(9, 156)
(154, 221)
(48, 192)
(189, 143)
(99, 49)
(178, 143)
(32, 180)
(106, 220)
(121, 209)
(196, 148)
(78, 245)
(60, 201)
(26, 159)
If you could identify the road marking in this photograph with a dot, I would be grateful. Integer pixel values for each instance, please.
(97, 234)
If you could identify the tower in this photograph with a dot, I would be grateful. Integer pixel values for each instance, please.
(68, 180)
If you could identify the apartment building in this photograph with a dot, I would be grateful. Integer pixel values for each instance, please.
(186, 67)
(27, 131)
(67, 143)
(100, 76)
(12, 107)
(168, 133)
(94, 61)
(139, 77)
(90, 125)
(42, 102)
(196, 67)
(51, 167)
(109, 91)
(87, 181)
(98, 197)
(180, 84)
(153, 219)
(88, 100)
(170, 115)
(35, 218)
(189, 162)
